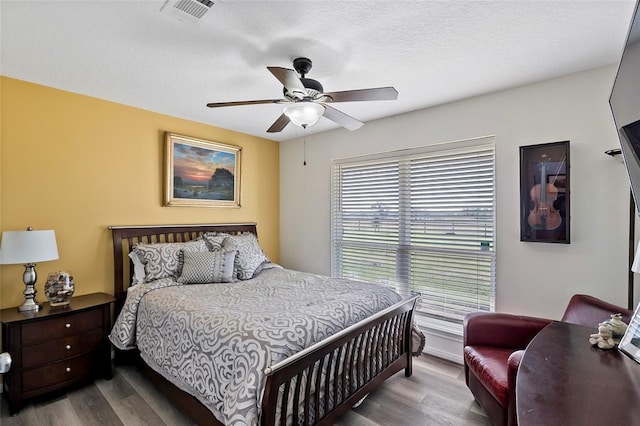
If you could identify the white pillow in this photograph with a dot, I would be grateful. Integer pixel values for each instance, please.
(138, 269)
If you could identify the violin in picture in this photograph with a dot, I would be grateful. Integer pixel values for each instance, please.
(544, 216)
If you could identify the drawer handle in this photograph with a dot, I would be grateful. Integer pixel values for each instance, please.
(68, 369)
(68, 347)
(67, 325)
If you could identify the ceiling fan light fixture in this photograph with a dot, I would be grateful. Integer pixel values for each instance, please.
(304, 114)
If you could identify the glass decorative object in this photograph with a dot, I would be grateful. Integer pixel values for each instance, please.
(59, 288)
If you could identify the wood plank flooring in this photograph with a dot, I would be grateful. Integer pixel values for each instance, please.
(434, 395)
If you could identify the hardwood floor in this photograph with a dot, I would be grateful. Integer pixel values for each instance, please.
(434, 395)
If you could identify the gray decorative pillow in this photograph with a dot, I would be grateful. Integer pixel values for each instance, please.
(162, 260)
(207, 267)
(250, 256)
(214, 240)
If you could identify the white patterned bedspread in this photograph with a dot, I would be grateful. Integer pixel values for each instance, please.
(215, 340)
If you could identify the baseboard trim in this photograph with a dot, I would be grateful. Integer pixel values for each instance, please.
(444, 355)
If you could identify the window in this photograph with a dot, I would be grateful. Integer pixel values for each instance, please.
(420, 220)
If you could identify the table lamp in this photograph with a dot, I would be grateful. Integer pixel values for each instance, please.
(27, 248)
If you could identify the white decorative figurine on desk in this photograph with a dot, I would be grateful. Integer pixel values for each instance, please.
(617, 326)
(609, 332)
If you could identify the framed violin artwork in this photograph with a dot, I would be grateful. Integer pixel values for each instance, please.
(544, 193)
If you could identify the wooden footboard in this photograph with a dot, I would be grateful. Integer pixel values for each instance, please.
(318, 384)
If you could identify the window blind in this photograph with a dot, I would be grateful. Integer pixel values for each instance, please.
(420, 220)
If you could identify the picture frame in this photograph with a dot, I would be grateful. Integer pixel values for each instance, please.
(201, 173)
(545, 208)
(630, 342)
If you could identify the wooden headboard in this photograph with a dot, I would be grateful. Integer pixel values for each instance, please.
(126, 237)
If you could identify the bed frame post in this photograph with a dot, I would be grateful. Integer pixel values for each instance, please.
(408, 338)
(118, 269)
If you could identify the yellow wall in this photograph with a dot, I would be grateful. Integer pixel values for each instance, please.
(77, 164)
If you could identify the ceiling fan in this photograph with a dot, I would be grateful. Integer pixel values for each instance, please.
(307, 102)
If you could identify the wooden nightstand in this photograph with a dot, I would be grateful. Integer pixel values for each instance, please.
(56, 347)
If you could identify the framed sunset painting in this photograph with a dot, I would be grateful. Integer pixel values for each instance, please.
(200, 173)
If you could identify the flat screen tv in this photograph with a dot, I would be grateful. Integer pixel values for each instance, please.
(625, 104)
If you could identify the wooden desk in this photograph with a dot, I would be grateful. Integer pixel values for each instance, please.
(563, 380)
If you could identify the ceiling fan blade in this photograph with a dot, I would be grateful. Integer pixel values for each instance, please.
(341, 118)
(263, 101)
(377, 94)
(279, 124)
(289, 80)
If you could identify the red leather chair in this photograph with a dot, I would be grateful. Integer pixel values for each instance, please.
(494, 344)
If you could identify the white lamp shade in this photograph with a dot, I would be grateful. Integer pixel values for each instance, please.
(304, 114)
(20, 247)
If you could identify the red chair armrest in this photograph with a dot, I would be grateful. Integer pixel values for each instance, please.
(501, 330)
(513, 364)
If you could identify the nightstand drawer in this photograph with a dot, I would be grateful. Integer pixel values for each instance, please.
(56, 373)
(67, 325)
(56, 350)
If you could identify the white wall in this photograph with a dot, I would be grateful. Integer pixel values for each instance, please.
(532, 278)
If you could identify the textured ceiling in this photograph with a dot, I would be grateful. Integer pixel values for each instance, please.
(432, 52)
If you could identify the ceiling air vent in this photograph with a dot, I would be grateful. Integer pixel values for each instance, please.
(192, 10)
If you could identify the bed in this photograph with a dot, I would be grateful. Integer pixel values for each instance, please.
(295, 359)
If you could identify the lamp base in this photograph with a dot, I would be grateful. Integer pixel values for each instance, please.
(29, 277)
(29, 306)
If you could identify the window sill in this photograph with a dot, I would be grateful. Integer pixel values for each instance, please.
(439, 328)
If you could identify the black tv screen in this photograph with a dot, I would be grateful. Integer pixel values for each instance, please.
(625, 104)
